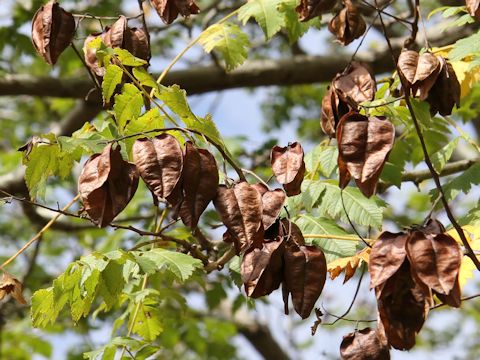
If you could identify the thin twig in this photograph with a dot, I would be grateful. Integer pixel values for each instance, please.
(90, 73)
(461, 300)
(39, 234)
(353, 300)
(220, 263)
(94, 17)
(250, 172)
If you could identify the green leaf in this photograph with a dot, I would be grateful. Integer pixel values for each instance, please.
(266, 13)
(441, 157)
(44, 308)
(46, 159)
(229, 40)
(127, 59)
(422, 112)
(85, 141)
(128, 105)
(363, 211)
(462, 183)
(151, 120)
(176, 100)
(465, 47)
(148, 323)
(113, 77)
(180, 265)
(142, 75)
(111, 283)
(392, 174)
(322, 158)
(294, 27)
(333, 248)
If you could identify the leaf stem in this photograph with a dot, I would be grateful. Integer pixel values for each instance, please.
(336, 237)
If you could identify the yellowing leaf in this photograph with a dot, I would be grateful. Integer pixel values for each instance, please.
(467, 267)
(466, 75)
(348, 264)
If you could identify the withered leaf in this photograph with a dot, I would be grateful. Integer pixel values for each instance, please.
(240, 208)
(419, 71)
(11, 285)
(348, 264)
(288, 167)
(355, 84)
(473, 7)
(168, 10)
(308, 9)
(435, 259)
(445, 93)
(272, 202)
(261, 269)
(365, 344)
(199, 184)
(386, 257)
(52, 31)
(305, 273)
(363, 145)
(403, 306)
(160, 162)
(106, 185)
(348, 24)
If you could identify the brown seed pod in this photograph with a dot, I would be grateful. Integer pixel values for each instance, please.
(262, 268)
(106, 185)
(363, 145)
(419, 72)
(387, 256)
(348, 24)
(199, 184)
(308, 9)
(305, 273)
(365, 344)
(435, 259)
(288, 167)
(473, 7)
(160, 162)
(168, 10)
(403, 306)
(355, 85)
(272, 202)
(445, 93)
(52, 31)
(240, 208)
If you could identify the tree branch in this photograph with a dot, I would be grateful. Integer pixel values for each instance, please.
(422, 175)
(267, 72)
